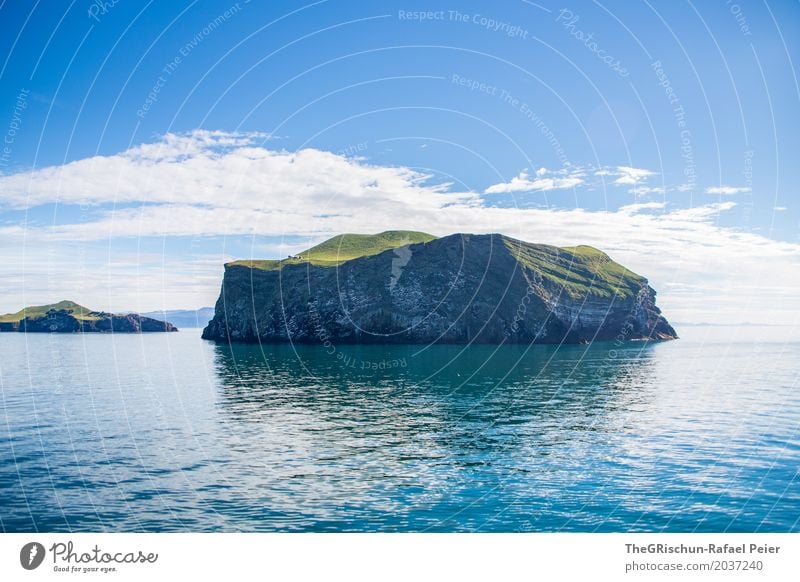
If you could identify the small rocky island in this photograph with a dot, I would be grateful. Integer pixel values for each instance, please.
(411, 287)
(69, 317)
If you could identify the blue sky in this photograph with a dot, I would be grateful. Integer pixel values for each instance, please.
(147, 144)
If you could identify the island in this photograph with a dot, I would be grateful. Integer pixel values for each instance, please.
(69, 317)
(411, 287)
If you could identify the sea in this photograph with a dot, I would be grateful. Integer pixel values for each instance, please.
(166, 432)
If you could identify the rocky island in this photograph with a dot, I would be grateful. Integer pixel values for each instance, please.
(69, 317)
(411, 287)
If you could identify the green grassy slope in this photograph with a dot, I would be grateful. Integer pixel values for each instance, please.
(343, 247)
(579, 270)
(78, 311)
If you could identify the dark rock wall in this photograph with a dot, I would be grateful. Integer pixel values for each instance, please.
(457, 289)
(61, 321)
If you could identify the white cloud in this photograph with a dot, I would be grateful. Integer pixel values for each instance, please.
(523, 183)
(637, 208)
(630, 176)
(205, 184)
(780, 209)
(726, 190)
(644, 190)
(704, 213)
(222, 170)
(576, 176)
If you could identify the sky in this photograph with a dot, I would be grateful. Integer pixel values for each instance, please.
(146, 144)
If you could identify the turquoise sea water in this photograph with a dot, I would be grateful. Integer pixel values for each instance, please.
(167, 432)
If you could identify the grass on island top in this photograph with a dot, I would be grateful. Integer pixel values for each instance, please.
(343, 247)
(579, 270)
(77, 311)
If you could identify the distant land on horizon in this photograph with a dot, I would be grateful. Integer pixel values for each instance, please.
(70, 317)
(183, 318)
(411, 287)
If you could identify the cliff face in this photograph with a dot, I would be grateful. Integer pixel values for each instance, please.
(457, 289)
(69, 317)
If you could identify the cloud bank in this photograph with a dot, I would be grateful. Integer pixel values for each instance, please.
(222, 184)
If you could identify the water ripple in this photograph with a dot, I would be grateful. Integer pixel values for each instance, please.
(170, 433)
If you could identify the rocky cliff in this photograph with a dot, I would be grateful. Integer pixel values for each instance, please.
(457, 289)
(69, 317)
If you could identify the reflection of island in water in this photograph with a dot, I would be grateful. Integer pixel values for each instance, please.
(433, 430)
(517, 379)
